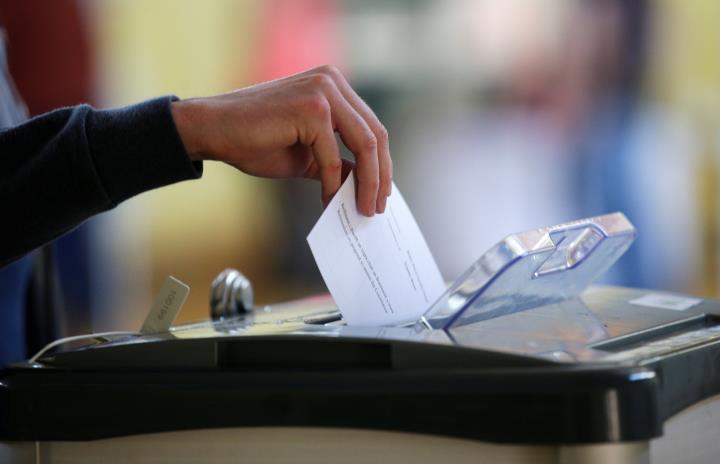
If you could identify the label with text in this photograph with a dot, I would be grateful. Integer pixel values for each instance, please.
(166, 306)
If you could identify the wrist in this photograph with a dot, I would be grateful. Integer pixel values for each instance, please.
(188, 117)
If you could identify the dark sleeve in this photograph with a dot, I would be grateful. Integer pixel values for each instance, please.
(60, 168)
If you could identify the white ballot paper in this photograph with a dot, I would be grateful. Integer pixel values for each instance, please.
(379, 270)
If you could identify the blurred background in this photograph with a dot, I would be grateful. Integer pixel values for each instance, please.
(504, 115)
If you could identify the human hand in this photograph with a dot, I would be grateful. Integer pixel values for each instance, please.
(286, 128)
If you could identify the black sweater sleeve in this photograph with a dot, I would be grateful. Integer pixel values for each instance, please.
(60, 168)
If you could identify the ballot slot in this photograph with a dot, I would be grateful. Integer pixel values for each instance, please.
(676, 335)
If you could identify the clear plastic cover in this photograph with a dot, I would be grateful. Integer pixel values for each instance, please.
(533, 269)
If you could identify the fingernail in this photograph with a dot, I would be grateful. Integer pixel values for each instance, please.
(381, 205)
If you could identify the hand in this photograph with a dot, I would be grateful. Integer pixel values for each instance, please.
(286, 128)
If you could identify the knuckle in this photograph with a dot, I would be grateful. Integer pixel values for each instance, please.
(329, 70)
(370, 143)
(382, 135)
(334, 164)
(316, 105)
(320, 80)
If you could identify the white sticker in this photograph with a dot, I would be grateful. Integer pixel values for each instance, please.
(166, 306)
(665, 301)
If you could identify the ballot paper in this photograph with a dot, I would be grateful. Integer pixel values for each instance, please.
(379, 270)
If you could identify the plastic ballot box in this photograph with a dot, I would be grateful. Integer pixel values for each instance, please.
(521, 360)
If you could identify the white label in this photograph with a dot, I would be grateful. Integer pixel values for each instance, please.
(166, 306)
(665, 301)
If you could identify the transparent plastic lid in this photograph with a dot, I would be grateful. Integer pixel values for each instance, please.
(533, 269)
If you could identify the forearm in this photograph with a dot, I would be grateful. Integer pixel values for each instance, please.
(63, 167)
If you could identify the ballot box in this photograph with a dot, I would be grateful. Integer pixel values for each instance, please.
(522, 360)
